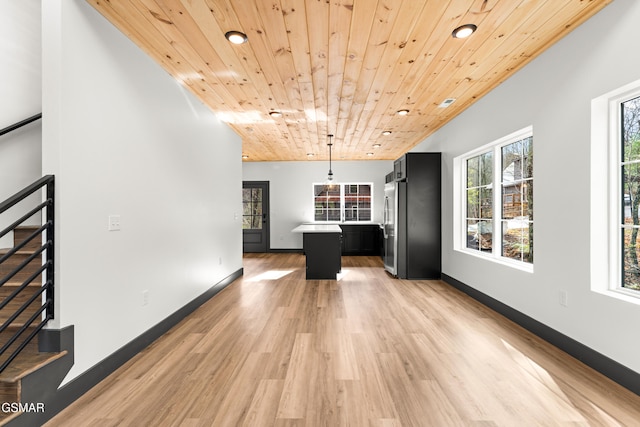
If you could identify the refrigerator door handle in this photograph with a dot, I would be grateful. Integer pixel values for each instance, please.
(385, 217)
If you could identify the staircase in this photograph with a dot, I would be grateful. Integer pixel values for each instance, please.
(30, 360)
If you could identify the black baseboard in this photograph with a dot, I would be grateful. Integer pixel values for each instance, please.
(285, 251)
(599, 362)
(71, 391)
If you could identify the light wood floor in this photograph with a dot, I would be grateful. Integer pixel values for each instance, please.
(275, 350)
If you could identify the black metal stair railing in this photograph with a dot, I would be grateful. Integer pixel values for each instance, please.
(26, 330)
(20, 124)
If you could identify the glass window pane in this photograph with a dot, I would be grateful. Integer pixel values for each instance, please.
(246, 194)
(351, 215)
(364, 204)
(333, 190)
(527, 202)
(472, 234)
(486, 168)
(527, 252)
(256, 223)
(486, 203)
(527, 153)
(512, 162)
(257, 209)
(256, 194)
(631, 130)
(631, 191)
(517, 240)
(479, 235)
(512, 239)
(333, 214)
(473, 203)
(511, 201)
(485, 235)
(319, 190)
(631, 270)
(246, 208)
(473, 172)
(246, 222)
(364, 190)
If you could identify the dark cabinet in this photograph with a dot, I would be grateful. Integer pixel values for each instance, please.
(322, 251)
(363, 239)
(400, 169)
(419, 216)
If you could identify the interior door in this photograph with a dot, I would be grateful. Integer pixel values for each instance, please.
(255, 216)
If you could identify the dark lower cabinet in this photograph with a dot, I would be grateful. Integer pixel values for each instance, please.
(322, 251)
(364, 239)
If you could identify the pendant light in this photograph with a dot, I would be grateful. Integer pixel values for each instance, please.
(330, 174)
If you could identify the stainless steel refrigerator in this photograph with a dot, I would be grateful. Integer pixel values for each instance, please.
(411, 217)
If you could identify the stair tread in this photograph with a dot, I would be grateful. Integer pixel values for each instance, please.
(16, 283)
(26, 363)
(21, 252)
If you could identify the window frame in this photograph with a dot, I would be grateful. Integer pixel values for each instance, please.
(607, 200)
(342, 186)
(460, 201)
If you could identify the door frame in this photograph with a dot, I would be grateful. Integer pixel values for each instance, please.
(265, 212)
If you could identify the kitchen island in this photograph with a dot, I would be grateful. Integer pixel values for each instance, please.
(322, 245)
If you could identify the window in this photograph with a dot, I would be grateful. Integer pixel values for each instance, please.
(517, 200)
(342, 202)
(629, 192)
(496, 210)
(251, 208)
(615, 193)
(480, 202)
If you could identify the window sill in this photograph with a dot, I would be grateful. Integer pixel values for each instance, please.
(632, 297)
(527, 268)
(344, 222)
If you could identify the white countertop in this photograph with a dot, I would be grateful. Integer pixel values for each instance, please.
(317, 228)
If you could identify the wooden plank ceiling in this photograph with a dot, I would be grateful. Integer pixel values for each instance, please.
(341, 67)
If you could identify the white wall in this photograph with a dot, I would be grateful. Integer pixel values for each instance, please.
(553, 93)
(20, 98)
(122, 137)
(290, 188)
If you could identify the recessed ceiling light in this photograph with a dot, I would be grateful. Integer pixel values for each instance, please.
(244, 156)
(369, 154)
(377, 145)
(310, 154)
(464, 31)
(236, 37)
(275, 114)
(402, 112)
(386, 133)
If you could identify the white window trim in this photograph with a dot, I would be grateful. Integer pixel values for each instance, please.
(605, 244)
(342, 203)
(460, 201)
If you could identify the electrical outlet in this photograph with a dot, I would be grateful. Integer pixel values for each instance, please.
(114, 222)
(564, 298)
(145, 297)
